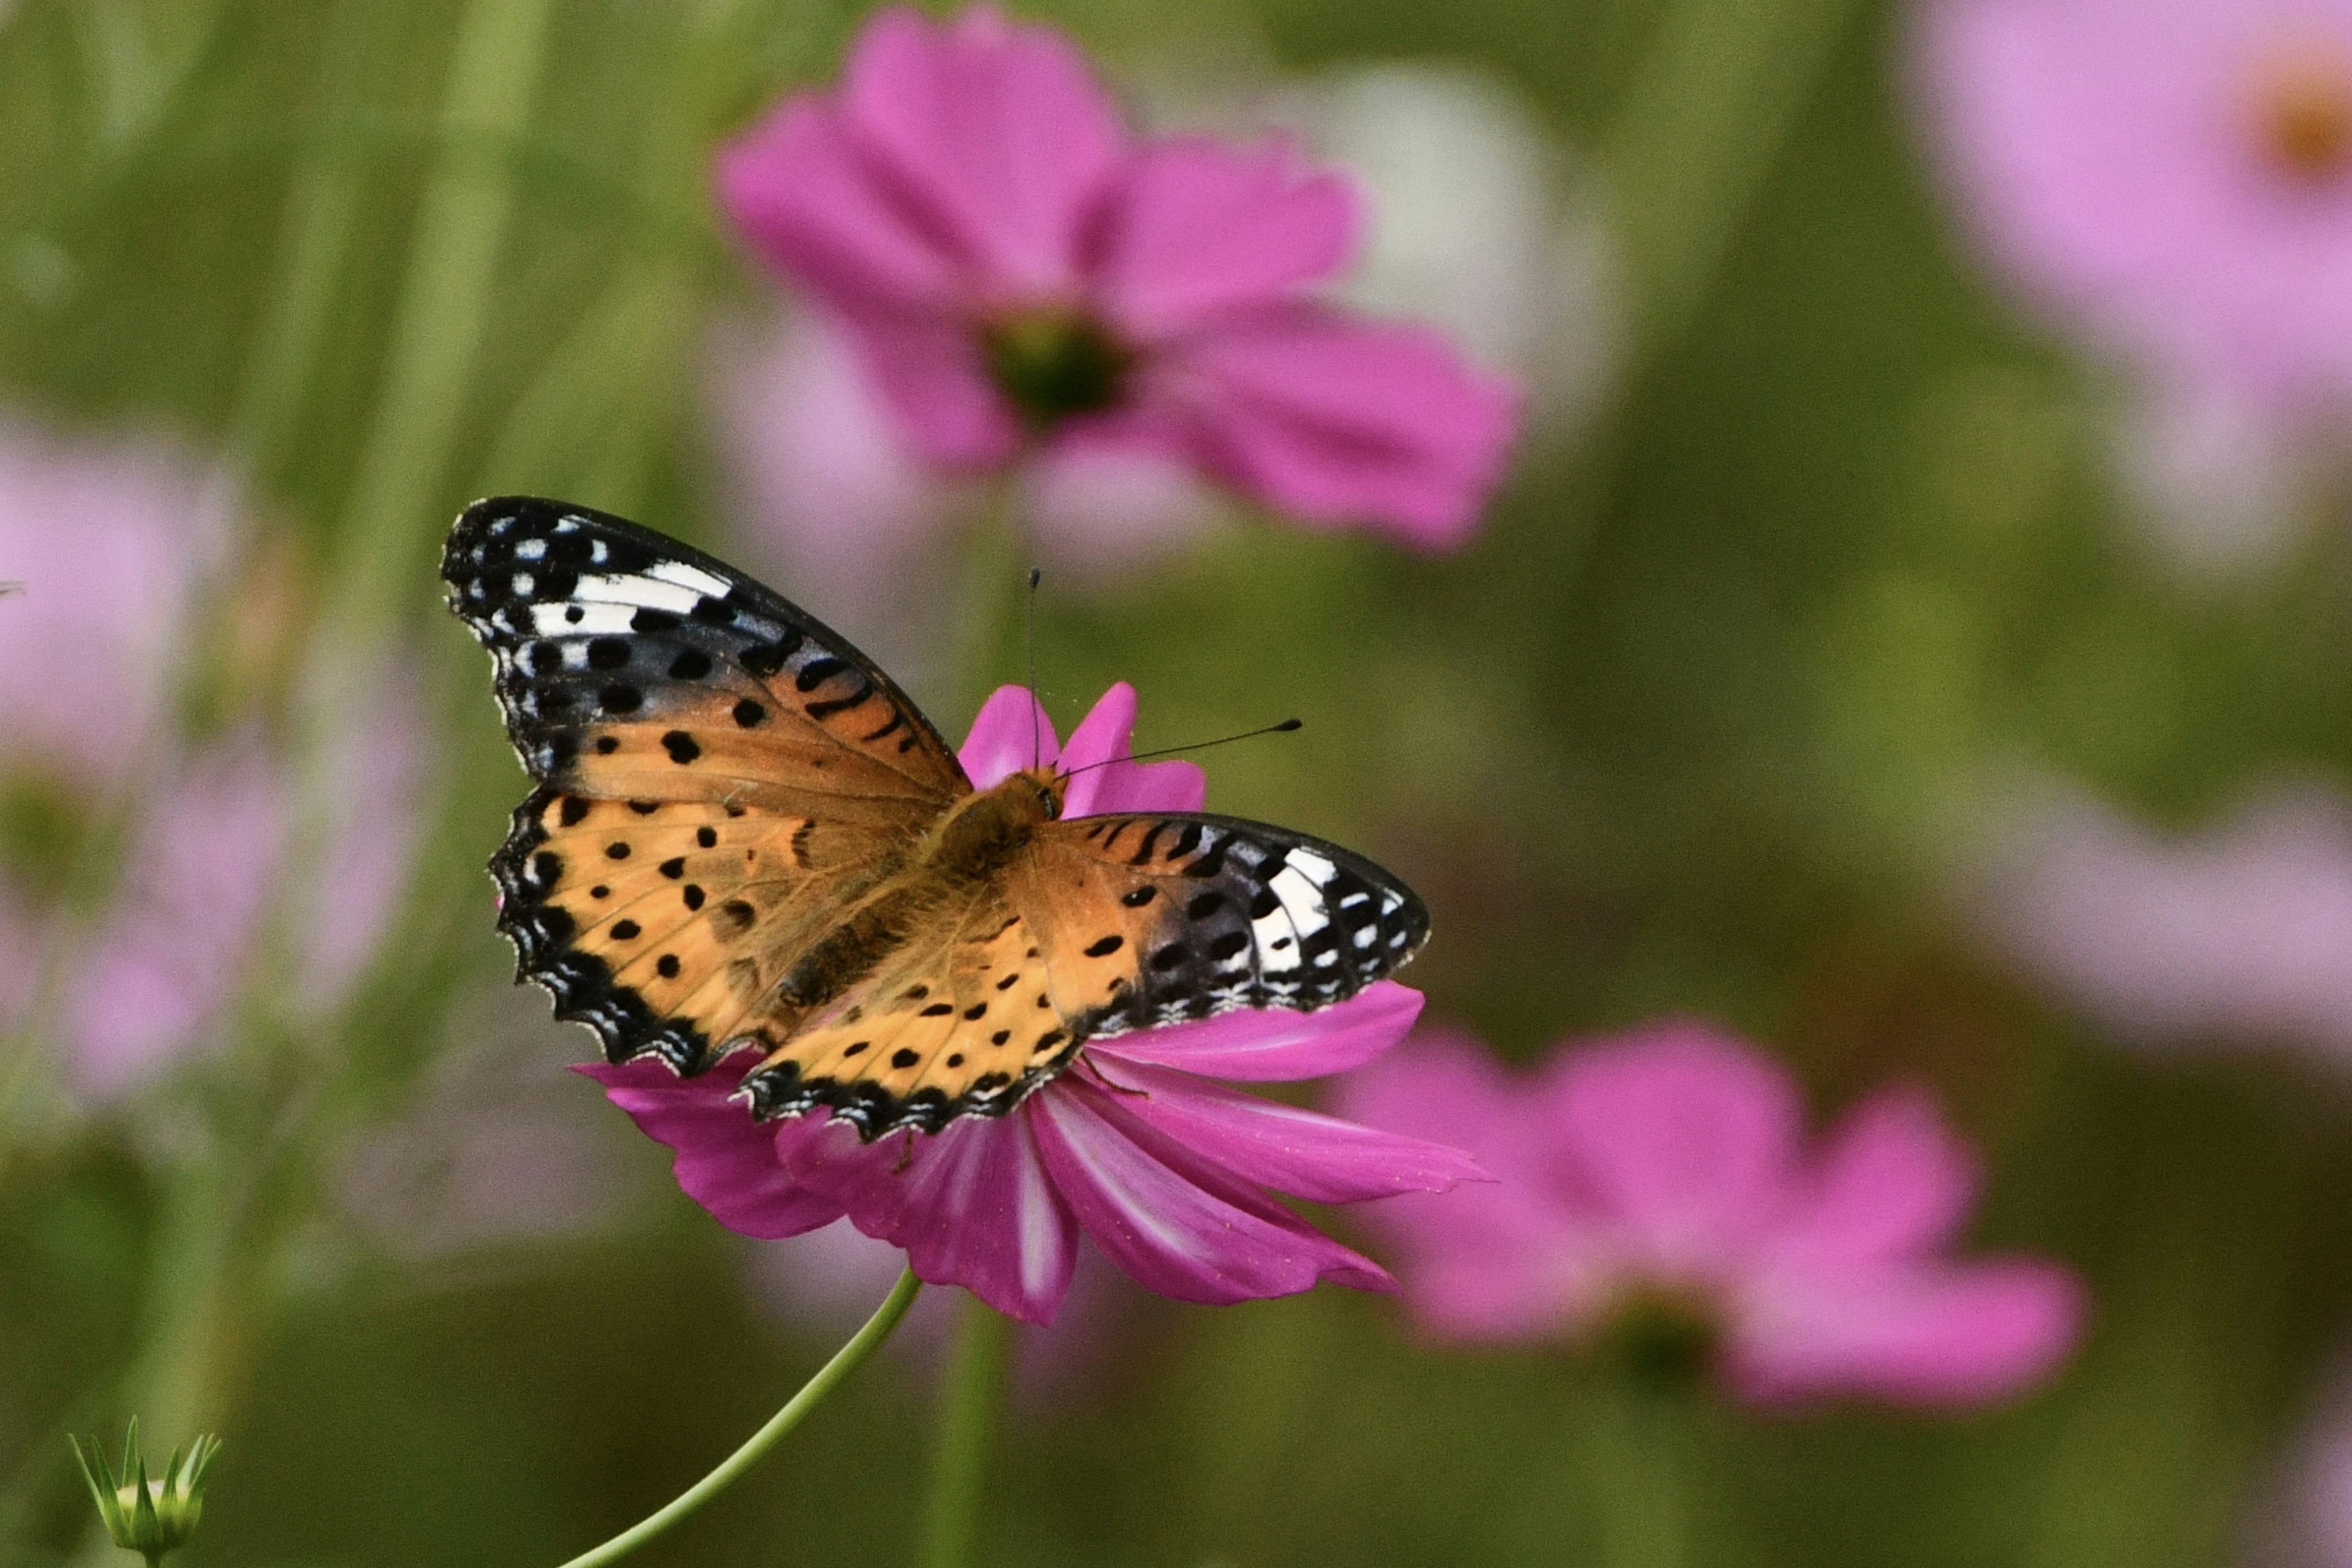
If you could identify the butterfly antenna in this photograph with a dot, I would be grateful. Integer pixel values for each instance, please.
(1285, 728)
(1029, 657)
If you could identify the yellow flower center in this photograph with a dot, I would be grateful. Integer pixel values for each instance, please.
(2303, 117)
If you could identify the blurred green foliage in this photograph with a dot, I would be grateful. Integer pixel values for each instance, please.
(1687, 730)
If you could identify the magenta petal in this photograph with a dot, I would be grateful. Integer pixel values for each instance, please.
(1176, 1222)
(726, 1162)
(1491, 1262)
(799, 190)
(1302, 1153)
(1199, 227)
(1330, 418)
(1270, 1045)
(932, 378)
(972, 1206)
(1110, 783)
(1961, 1335)
(1686, 1137)
(998, 133)
(1894, 1182)
(1011, 731)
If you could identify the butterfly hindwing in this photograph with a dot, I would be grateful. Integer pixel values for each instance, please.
(960, 1024)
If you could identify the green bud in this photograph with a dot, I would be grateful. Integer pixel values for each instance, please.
(149, 1517)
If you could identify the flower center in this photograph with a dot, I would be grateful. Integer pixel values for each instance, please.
(2303, 118)
(1054, 363)
(1665, 1339)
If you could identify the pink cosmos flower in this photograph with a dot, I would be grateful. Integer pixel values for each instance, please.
(1133, 1146)
(110, 539)
(1662, 1172)
(2174, 177)
(1025, 275)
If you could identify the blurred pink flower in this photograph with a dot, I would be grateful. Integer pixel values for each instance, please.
(1133, 1145)
(2172, 176)
(110, 539)
(185, 918)
(1663, 1171)
(1023, 274)
(2241, 931)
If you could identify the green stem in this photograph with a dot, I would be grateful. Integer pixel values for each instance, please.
(845, 1360)
(971, 1398)
(443, 306)
(1634, 1454)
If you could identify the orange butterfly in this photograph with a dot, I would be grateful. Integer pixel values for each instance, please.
(744, 834)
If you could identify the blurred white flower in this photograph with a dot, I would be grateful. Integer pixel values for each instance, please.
(1479, 222)
(2222, 489)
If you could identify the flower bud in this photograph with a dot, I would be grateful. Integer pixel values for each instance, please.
(149, 1517)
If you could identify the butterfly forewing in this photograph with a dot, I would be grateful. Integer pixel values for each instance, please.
(662, 698)
(1153, 919)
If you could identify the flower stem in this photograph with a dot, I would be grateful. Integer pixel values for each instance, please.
(845, 1360)
(970, 1398)
(1635, 1456)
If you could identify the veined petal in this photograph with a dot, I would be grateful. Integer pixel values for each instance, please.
(1336, 419)
(1197, 228)
(1011, 731)
(725, 1160)
(1272, 1045)
(1175, 1222)
(971, 1205)
(1302, 1153)
(1962, 1334)
(998, 132)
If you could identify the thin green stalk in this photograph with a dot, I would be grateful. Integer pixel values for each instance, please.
(845, 1360)
(1635, 1451)
(443, 306)
(1701, 127)
(989, 613)
(971, 1401)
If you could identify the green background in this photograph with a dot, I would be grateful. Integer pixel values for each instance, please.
(1694, 726)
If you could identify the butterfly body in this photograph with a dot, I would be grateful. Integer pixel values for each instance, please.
(744, 837)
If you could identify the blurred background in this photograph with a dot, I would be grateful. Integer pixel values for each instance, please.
(1892, 640)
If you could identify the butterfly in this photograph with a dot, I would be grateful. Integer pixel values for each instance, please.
(744, 836)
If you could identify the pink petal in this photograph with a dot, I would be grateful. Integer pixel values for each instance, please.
(1681, 1138)
(1111, 784)
(726, 1162)
(1175, 1222)
(804, 194)
(1010, 733)
(971, 1205)
(1341, 420)
(932, 378)
(1505, 1261)
(1961, 1335)
(1893, 1182)
(1268, 1044)
(1199, 227)
(1304, 1154)
(997, 132)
